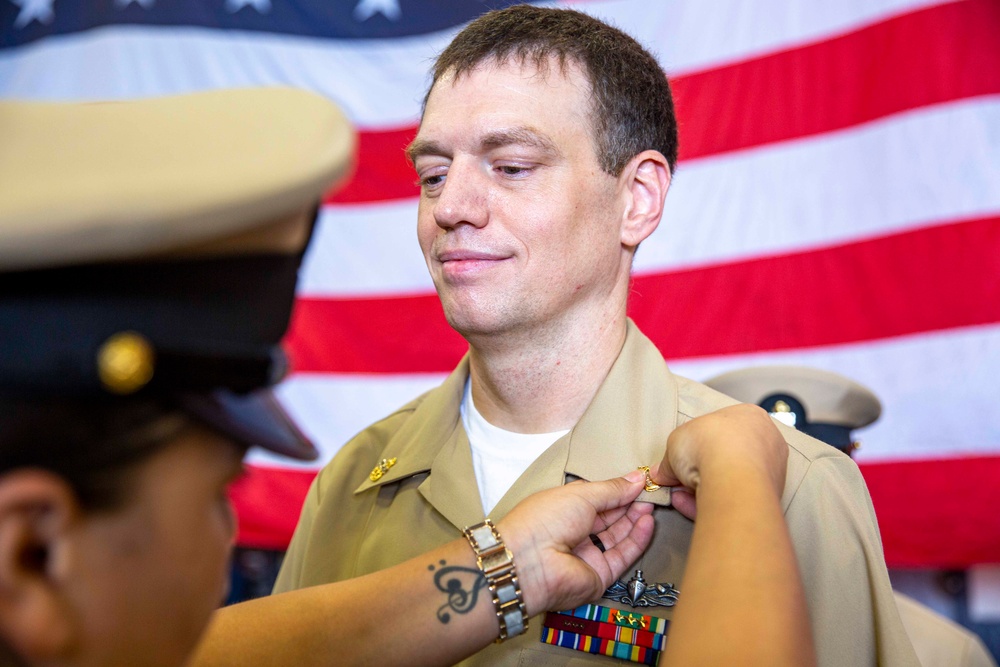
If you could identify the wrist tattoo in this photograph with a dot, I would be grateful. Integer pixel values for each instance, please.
(460, 584)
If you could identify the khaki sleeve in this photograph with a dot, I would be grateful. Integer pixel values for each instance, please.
(977, 655)
(837, 543)
(290, 574)
(939, 641)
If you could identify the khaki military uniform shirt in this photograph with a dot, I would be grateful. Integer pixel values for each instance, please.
(939, 641)
(351, 525)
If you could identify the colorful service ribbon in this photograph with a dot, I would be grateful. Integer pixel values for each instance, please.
(607, 631)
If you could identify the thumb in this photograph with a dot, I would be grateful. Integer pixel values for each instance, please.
(613, 493)
(661, 474)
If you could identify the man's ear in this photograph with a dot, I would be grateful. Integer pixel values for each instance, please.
(647, 179)
(37, 512)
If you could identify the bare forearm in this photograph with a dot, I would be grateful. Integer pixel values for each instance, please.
(398, 616)
(436, 609)
(742, 600)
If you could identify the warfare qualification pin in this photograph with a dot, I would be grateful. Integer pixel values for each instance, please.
(638, 593)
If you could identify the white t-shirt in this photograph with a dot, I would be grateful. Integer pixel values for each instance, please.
(499, 456)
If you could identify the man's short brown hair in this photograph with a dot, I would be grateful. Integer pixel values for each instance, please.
(633, 109)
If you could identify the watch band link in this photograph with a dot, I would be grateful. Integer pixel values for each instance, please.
(497, 564)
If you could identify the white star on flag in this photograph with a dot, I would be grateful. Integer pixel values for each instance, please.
(33, 10)
(367, 8)
(262, 6)
(145, 4)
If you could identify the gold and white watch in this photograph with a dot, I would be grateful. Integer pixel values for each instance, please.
(497, 564)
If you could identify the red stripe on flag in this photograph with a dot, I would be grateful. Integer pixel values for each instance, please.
(916, 503)
(935, 55)
(383, 172)
(929, 279)
(940, 514)
(385, 335)
(268, 502)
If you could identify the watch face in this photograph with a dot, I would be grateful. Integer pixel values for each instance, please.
(483, 536)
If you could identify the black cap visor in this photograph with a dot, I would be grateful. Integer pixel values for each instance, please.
(252, 419)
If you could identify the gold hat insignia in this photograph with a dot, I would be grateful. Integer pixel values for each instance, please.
(125, 363)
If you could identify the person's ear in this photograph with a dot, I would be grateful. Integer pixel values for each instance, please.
(37, 510)
(647, 179)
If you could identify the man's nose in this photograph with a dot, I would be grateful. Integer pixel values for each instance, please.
(463, 197)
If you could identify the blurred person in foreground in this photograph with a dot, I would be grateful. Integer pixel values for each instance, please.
(147, 269)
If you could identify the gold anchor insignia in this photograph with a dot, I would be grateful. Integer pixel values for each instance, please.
(650, 485)
(125, 363)
(381, 469)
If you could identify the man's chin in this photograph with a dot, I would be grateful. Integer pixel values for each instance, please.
(477, 325)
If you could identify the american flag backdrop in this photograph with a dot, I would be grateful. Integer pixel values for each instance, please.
(837, 204)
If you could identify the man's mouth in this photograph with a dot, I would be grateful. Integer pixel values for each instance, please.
(455, 263)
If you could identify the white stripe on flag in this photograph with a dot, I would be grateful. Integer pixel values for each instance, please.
(351, 241)
(380, 82)
(909, 170)
(956, 377)
(691, 35)
(376, 82)
(938, 390)
(331, 409)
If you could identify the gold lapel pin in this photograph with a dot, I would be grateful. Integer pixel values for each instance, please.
(381, 469)
(650, 485)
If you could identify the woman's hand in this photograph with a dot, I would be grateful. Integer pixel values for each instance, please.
(738, 435)
(558, 565)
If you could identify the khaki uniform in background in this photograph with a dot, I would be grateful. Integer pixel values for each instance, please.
(938, 641)
(830, 406)
(352, 525)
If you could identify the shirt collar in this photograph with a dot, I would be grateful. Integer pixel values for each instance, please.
(625, 426)
(627, 423)
(434, 420)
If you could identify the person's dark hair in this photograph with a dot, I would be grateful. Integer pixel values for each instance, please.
(93, 444)
(633, 109)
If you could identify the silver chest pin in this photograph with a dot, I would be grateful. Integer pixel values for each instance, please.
(638, 593)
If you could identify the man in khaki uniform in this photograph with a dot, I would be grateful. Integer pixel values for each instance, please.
(830, 406)
(545, 152)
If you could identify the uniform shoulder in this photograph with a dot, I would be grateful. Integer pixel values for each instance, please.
(939, 640)
(696, 399)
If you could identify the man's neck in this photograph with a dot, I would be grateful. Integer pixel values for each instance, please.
(543, 381)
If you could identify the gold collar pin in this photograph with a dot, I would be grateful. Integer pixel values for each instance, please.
(650, 485)
(381, 469)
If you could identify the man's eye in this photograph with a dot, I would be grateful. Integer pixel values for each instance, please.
(511, 170)
(431, 181)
